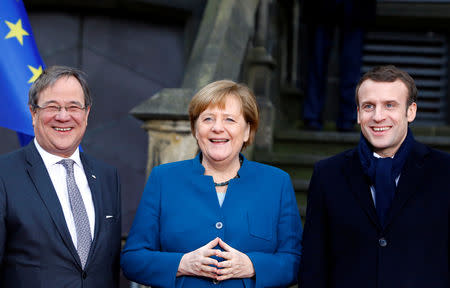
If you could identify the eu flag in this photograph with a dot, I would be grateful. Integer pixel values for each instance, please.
(20, 65)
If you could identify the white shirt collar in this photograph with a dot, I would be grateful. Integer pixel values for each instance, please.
(378, 156)
(51, 159)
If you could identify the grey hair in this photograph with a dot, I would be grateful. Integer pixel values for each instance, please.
(49, 76)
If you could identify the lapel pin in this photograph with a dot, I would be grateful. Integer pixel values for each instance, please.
(93, 176)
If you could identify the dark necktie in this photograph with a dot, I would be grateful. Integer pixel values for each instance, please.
(80, 216)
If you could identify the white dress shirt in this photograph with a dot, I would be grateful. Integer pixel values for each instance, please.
(57, 174)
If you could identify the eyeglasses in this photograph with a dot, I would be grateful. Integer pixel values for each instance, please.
(53, 109)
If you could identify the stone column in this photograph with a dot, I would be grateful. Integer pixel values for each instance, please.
(169, 141)
(218, 53)
(259, 75)
(260, 65)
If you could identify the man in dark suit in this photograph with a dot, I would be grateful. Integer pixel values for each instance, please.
(378, 215)
(59, 208)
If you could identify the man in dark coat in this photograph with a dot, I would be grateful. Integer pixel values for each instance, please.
(378, 215)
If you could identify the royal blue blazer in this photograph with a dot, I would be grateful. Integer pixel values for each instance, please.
(179, 212)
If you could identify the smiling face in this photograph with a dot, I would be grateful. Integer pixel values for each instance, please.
(383, 115)
(60, 133)
(220, 133)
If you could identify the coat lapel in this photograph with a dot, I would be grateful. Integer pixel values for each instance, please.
(203, 184)
(360, 187)
(94, 186)
(411, 180)
(44, 186)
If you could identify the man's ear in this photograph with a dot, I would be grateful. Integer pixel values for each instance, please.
(411, 112)
(357, 114)
(87, 113)
(33, 114)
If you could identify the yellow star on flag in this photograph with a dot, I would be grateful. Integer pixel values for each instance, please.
(16, 30)
(36, 72)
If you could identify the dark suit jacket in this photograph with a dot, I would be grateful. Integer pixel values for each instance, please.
(36, 249)
(345, 246)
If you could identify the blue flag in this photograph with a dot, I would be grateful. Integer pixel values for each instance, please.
(20, 65)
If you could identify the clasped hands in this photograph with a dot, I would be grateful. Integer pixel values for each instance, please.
(199, 262)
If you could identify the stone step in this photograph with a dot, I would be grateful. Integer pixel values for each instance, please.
(300, 159)
(301, 188)
(300, 185)
(299, 166)
(329, 137)
(297, 151)
(329, 142)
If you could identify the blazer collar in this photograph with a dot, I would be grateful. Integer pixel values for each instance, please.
(205, 182)
(51, 159)
(360, 186)
(198, 168)
(411, 180)
(93, 180)
(44, 186)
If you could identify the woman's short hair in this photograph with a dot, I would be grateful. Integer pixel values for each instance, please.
(216, 93)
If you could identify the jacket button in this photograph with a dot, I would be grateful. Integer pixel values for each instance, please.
(215, 281)
(382, 242)
(219, 225)
(84, 275)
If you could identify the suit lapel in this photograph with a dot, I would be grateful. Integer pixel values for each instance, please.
(94, 186)
(44, 186)
(360, 187)
(411, 180)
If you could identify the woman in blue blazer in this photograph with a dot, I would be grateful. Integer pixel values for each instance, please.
(218, 218)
